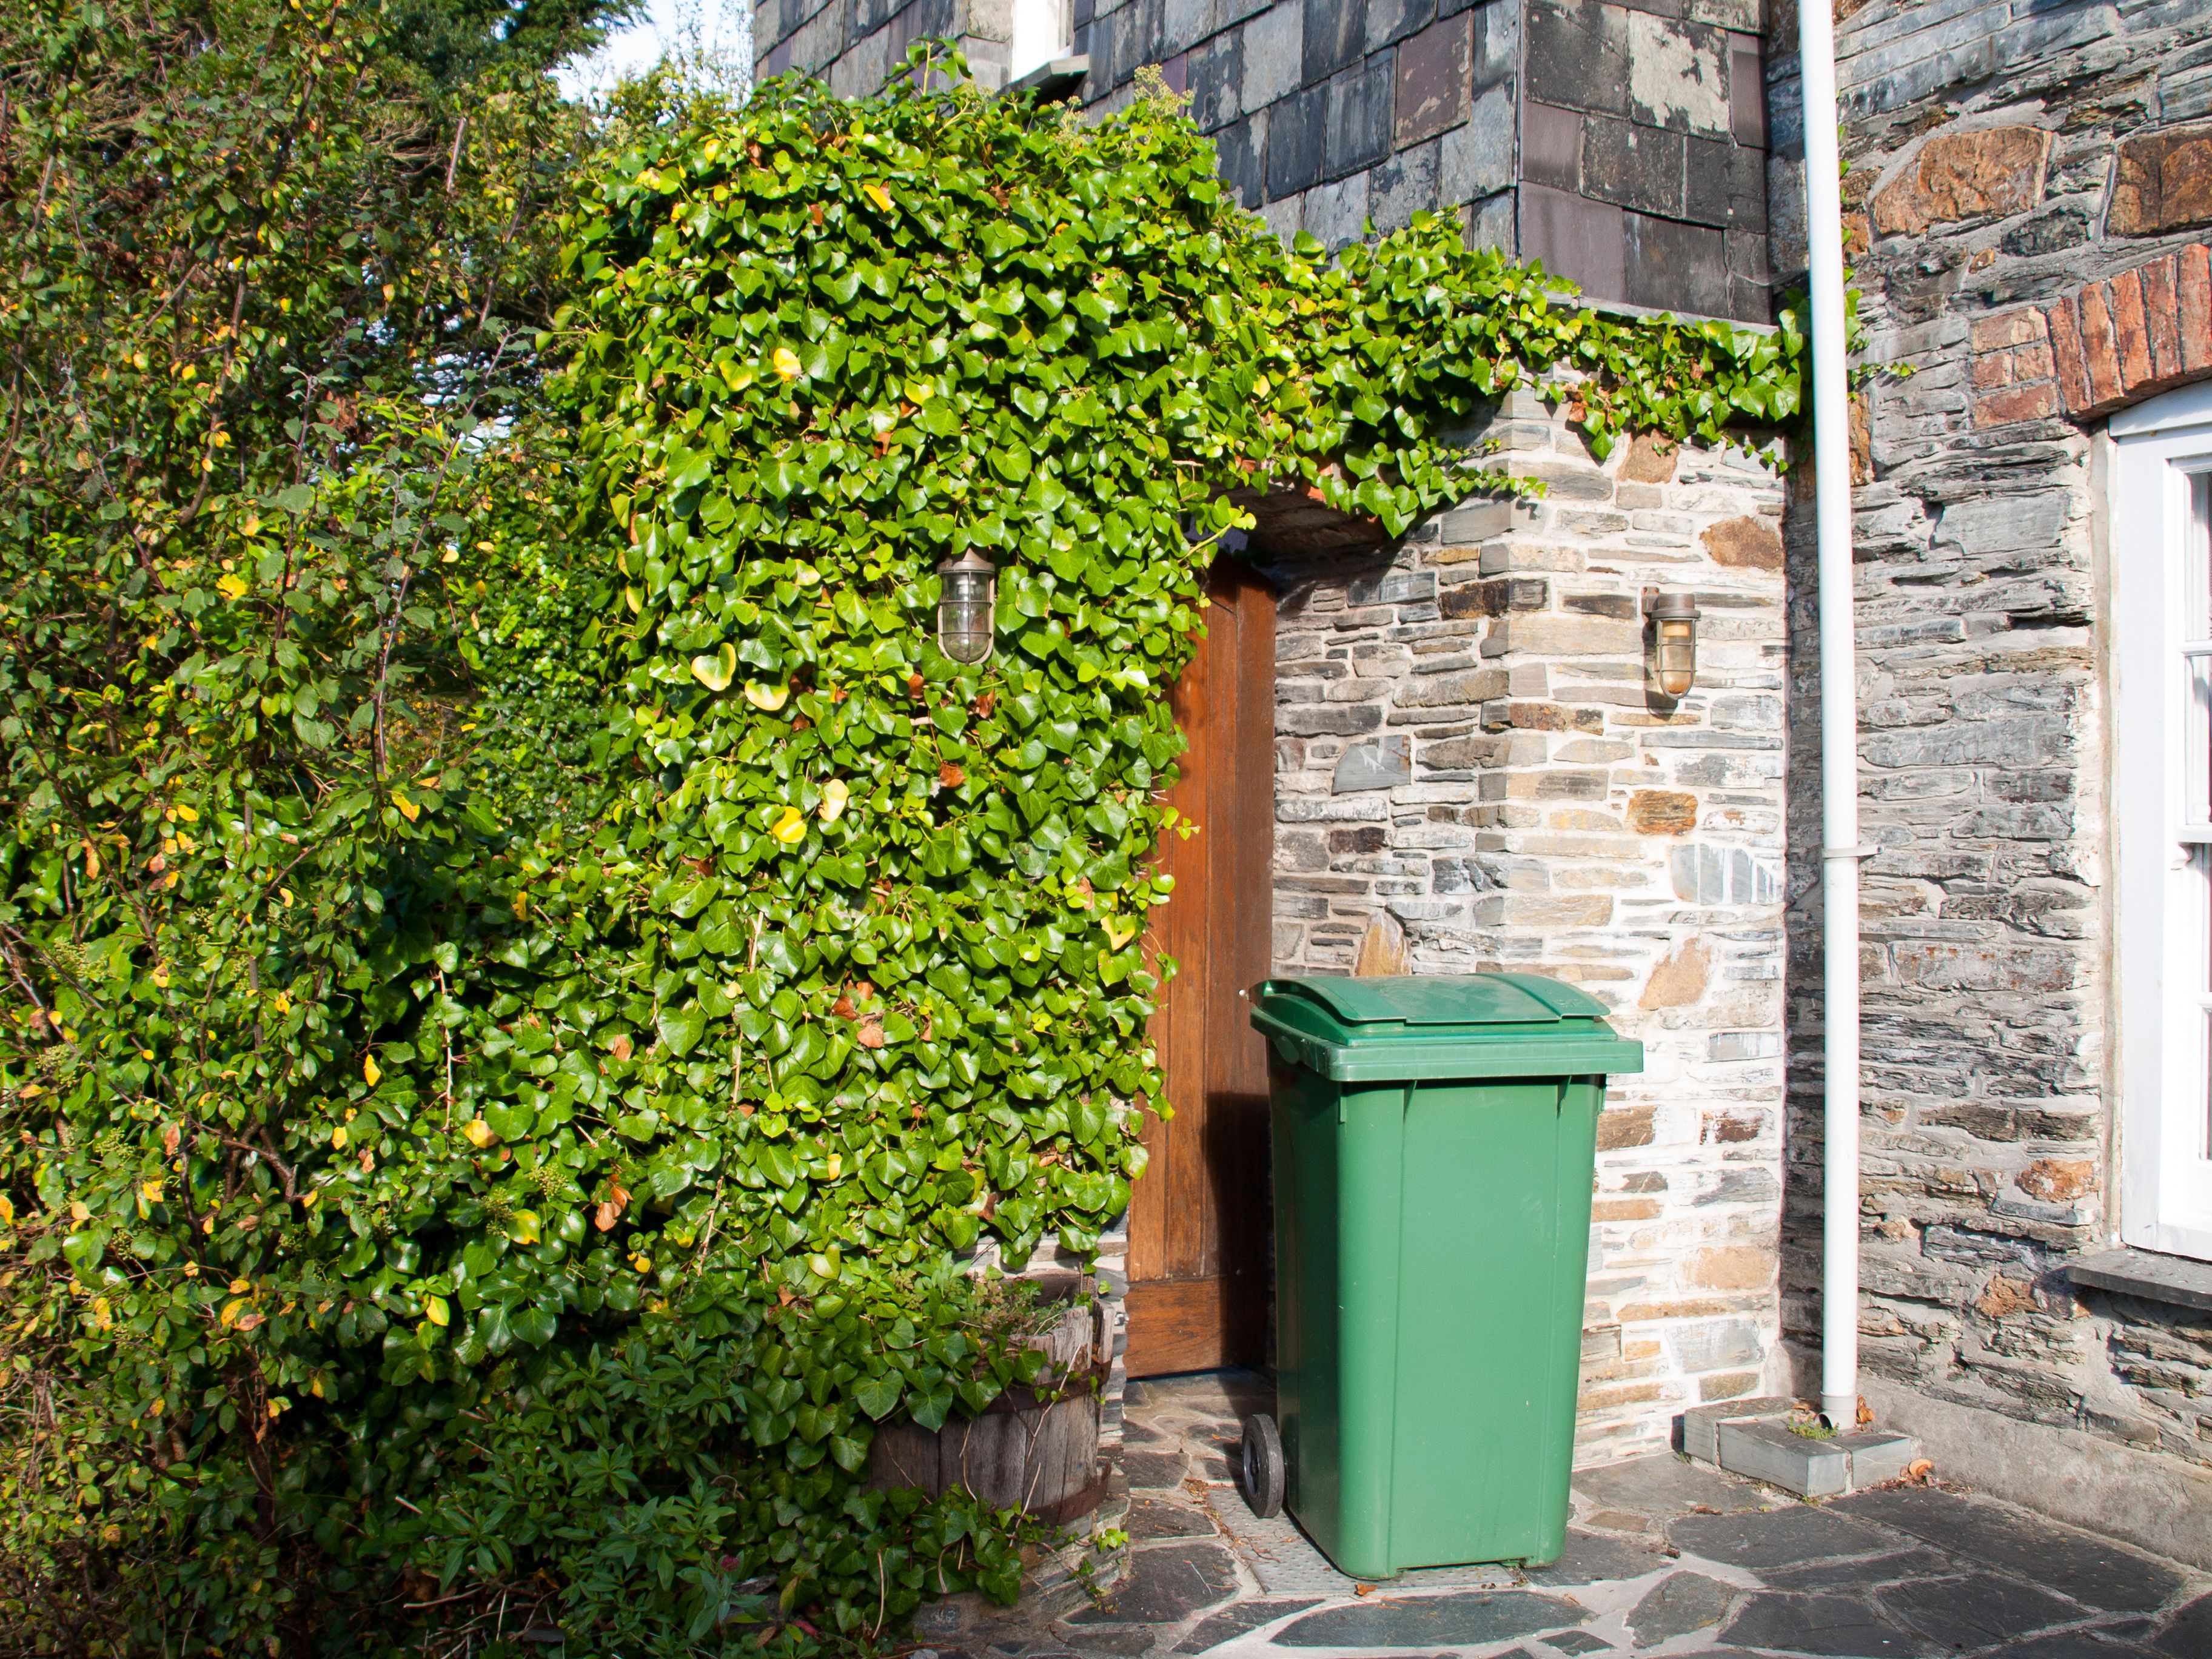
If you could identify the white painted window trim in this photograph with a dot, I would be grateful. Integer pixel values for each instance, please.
(2163, 839)
(1041, 31)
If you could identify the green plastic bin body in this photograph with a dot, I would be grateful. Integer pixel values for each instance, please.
(1434, 1140)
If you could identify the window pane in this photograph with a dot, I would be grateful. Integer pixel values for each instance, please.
(2199, 532)
(2196, 670)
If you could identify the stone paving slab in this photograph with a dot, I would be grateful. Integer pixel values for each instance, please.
(1664, 1559)
(1285, 1562)
(1458, 1619)
(2095, 1570)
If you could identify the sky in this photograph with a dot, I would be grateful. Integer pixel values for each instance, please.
(723, 26)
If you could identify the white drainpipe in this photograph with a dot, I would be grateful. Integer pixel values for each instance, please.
(1839, 737)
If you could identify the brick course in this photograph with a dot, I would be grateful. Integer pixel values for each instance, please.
(2100, 348)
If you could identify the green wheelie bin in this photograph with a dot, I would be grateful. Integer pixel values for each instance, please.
(1434, 1140)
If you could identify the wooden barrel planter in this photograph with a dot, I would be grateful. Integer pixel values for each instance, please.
(1032, 1448)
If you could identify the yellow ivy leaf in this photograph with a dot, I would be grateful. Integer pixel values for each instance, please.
(338, 1138)
(408, 809)
(768, 697)
(231, 586)
(715, 672)
(641, 1262)
(478, 1132)
(189, 814)
(787, 362)
(791, 828)
(878, 195)
(522, 1227)
(440, 1314)
(835, 795)
(1119, 929)
(78, 1213)
(371, 1070)
(152, 1190)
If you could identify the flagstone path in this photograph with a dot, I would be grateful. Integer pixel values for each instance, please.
(1664, 1557)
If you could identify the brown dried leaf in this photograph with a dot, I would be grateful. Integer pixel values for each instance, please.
(871, 1034)
(843, 1008)
(950, 775)
(620, 1048)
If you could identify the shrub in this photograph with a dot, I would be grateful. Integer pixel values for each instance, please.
(532, 973)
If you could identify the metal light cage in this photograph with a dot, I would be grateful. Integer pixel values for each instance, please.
(966, 607)
(1674, 639)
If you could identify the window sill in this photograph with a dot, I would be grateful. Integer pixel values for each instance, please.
(2147, 1276)
(1057, 79)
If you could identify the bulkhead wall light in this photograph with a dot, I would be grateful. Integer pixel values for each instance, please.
(966, 607)
(1674, 639)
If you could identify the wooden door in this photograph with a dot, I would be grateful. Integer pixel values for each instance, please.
(1199, 1237)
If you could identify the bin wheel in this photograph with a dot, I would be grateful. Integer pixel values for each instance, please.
(1261, 1468)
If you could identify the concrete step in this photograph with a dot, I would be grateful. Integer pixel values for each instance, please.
(1753, 1437)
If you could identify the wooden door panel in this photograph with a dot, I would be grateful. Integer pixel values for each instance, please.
(1199, 1239)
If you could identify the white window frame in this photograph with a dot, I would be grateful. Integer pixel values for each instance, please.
(2163, 837)
(1042, 33)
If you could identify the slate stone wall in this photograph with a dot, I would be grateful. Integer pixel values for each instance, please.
(1644, 152)
(1474, 771)
(1624, 145)
(2027, 192)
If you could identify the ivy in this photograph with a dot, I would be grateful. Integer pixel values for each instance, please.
(533, 977)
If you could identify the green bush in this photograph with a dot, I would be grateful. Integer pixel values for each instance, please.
(530, 971)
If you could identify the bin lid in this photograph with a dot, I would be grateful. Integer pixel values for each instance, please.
(1420, 1027)
(1446, 999)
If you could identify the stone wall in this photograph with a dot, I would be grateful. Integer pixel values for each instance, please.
(1474, 772)
(1635, 163)
(1644, 152)
(2021, 176)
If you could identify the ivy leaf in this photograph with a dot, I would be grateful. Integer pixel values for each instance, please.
(680, 1029)
(534, 1325)
(716, 671)
(879, 1396)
